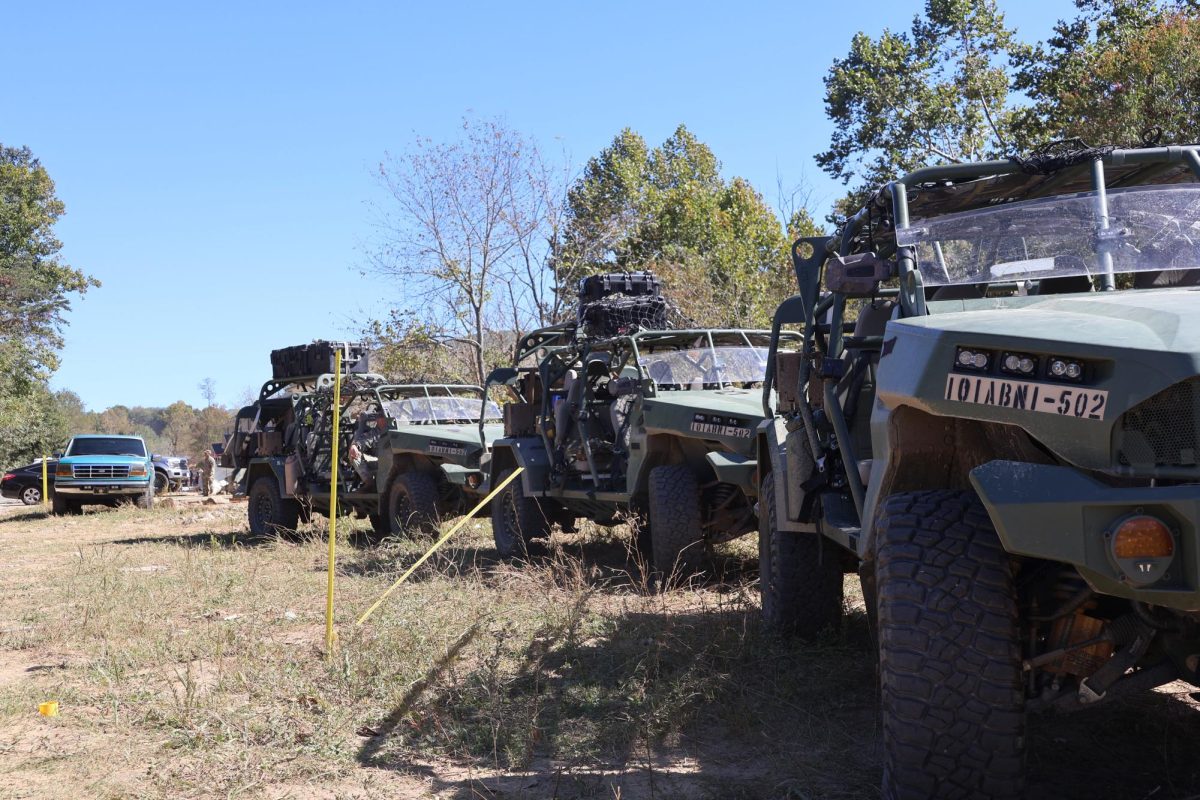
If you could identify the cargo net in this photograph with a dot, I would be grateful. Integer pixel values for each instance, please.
(1054, 156)
(618, 304)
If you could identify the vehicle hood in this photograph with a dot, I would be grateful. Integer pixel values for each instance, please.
(103, 459)
(415, 436)
(740, 402)
(1138, 343)
(1162, 320)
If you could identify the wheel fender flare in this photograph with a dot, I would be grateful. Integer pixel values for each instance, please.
(527, 454)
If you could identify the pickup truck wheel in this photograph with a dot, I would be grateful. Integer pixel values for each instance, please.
(799, 574)
(949, 651)
(146, 498)
(412, 504)
(516, 519)
(31, 495)
(162, 484)
(675, 530)
(62, 505)
(270, 513)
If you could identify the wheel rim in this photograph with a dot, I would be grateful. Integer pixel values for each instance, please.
(512, 522)
(32, 495)
(262, 509)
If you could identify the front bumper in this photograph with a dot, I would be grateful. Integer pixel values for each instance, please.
(1058, 514)
(100, 487)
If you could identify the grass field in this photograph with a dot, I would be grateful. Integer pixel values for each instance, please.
(187, 659)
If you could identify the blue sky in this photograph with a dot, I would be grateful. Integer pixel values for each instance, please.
(216, 159)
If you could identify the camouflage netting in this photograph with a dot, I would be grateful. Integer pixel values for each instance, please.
(618, 304)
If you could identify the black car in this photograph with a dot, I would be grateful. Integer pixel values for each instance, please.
(25, 483)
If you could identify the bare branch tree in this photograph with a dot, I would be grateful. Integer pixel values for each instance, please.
(467, 231)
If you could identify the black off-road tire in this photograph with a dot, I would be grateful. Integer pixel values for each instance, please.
(162, 483)
(146, 498)
(268, 512)
(799, 575)
(676, 535)
(413, 504)
(62, 505)
(31, 495)
(516, 519)
(949, 651)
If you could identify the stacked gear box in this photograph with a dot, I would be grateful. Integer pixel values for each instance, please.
(316, 358)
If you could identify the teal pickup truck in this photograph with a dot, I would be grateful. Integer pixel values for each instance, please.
(103, 470)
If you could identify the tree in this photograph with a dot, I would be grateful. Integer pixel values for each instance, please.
(468, 232)
(208, 390)
(936, 93)
(718, 247)
(179, 418)
(35, 291)
(1122, 71)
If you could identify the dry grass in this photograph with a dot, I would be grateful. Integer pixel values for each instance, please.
(187, 659)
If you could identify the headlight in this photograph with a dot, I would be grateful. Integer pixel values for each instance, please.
(137, 469)
(1067, 369)
(62, 471)
(1019, 364)
(973, 359)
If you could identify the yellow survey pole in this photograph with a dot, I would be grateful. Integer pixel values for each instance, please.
(45, 481)
(333, 500)
(458, 526)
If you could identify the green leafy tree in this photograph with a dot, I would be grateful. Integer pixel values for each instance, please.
(718, 247)
(935, 93)
(35, 290)
(179, 418)
(1121, 72)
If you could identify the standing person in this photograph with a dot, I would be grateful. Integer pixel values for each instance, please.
(208, 465)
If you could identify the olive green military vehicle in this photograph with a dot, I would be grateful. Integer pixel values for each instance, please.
(426, 464)
(1005, 444)
(622, 419)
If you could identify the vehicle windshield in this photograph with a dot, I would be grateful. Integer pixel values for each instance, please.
(107, 446)
(443, 410)
(705, 367)
(1150, 229)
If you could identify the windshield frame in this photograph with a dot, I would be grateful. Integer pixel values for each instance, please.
(114, 449)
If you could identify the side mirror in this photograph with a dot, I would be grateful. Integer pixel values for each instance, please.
(155, 456)
(859, 274)
(57, 455)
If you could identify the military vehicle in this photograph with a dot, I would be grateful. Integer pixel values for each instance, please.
(624, 418)
(994, 418)
(428, 461)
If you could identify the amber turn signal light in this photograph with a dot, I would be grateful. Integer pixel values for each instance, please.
(1143, 536)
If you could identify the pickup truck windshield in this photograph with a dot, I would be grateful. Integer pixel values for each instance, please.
(105, 446)
(1148, 229)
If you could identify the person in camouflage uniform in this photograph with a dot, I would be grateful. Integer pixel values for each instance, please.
(362, 447)
(208, 466)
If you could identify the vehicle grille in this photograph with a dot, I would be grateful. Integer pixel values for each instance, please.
(99, 471)
(1161, 431)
